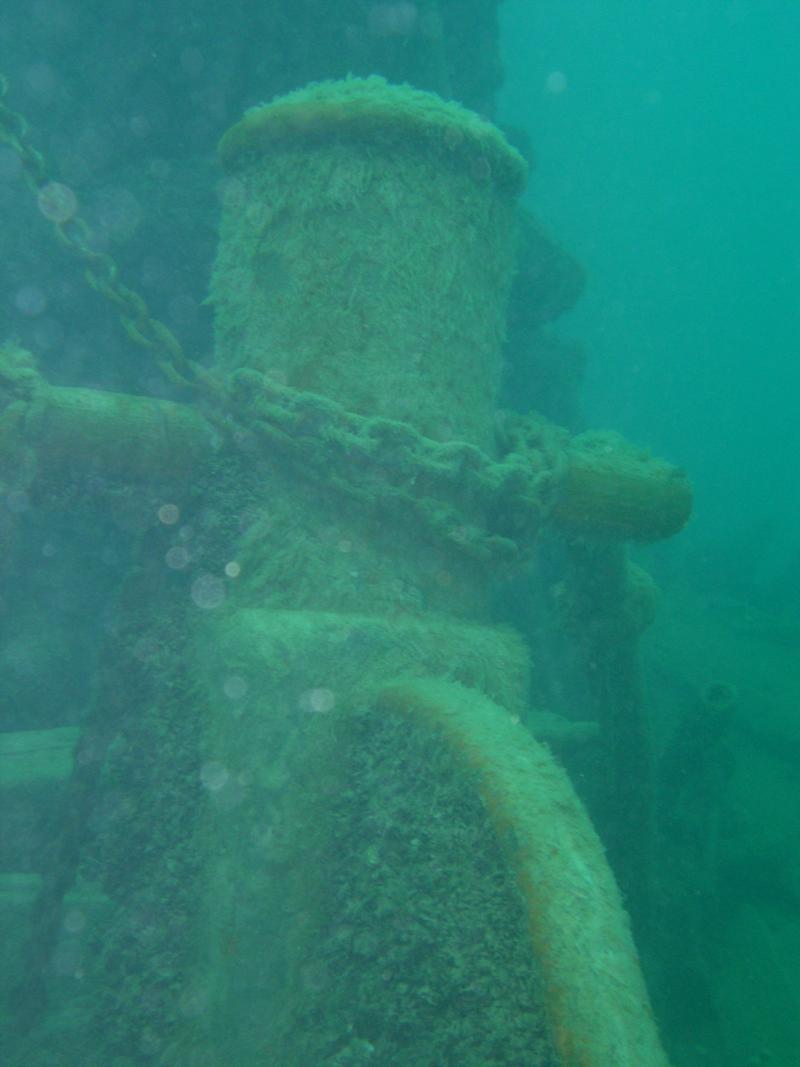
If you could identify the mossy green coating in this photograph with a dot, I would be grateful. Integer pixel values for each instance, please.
(363, 264)
(595, 998)
(371, 111)
(415, 948)
(288, 802)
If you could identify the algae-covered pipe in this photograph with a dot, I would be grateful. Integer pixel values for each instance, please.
(124, 438)
(618, 495)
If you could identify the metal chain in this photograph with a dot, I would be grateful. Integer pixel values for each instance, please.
(100, 269)
(14, 132)
(488, 508)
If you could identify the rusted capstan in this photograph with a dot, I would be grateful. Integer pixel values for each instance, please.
(350, 847)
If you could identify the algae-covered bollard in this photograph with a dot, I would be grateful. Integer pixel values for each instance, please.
(366, 252)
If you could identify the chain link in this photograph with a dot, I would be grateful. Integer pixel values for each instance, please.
(100, 269)
(488, 508)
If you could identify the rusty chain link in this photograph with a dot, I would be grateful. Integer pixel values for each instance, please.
(100, 269)
(489, 508)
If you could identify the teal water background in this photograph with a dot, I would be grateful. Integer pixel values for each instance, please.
(666, 143)
(666, 162)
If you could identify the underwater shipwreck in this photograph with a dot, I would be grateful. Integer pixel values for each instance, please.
(330, 732)
(320, 809)
(340, 722)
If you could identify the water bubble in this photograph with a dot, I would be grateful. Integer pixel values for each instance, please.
(74, 921)
(55, 16)
(318, 701)
(150, 1043)
(30, 300)
(431, 25)
(193, 1003)
(17, 501)
(277, 375)
(57, 202)
(246, 440)
(555, 82)
(169, 514)
(233, 569)
(232, 192)
(161, 169)
(155, 273)
(235, 687)
(208, 591)
(140, 126)
(118, 213)
(177, 558)
(214, 776)
(145, 648)
(183, 310)
(48, 333)
(392, 19)
(65, 960)
(41, 80)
